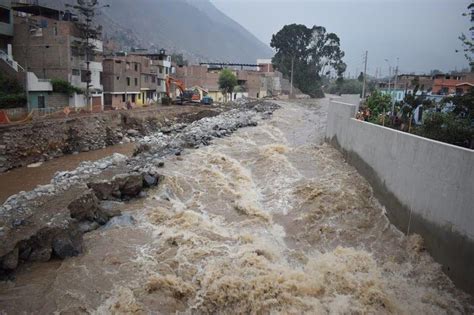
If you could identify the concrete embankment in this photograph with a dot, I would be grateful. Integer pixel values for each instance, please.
(49, 221)
(426, 186)
(42, 140)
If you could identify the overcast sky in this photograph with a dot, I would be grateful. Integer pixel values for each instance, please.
(423, 34)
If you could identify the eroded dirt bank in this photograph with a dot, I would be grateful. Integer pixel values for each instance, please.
(43, 140)
(267, 220)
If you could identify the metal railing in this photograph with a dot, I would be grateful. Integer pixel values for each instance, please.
(12, 63)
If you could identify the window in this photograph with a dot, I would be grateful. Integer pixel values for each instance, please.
(139, 96)
(159, 82)
(161, 69)
(118, 78)
(85, 76)
(128, 65)
(145, 77)
(167, 70)
(55, 31)
(153, 79)
(5, 15)
(136, 81)
(76, 72)
(136, 66)
(128, 81)
(123, 98)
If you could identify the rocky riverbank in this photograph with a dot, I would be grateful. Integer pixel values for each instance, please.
(21, 145)
(49, 221)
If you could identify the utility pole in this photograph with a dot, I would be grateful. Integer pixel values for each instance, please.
(395, 86)
(365, 74)
(292, 70)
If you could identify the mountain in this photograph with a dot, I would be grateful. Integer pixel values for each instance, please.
(195, 28)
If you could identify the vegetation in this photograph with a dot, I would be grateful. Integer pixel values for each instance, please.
(11, 93)
(378, 104)
(62, 86)
(345, 87)
(453, 123)
(227, 82)
(467, 43)
(313, 53)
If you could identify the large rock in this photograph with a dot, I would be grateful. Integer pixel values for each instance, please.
(105, 189)
(86, 207)
(67, 244)
(130, 185)
(10, 261)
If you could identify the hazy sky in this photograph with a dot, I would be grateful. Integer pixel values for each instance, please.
(423, 34)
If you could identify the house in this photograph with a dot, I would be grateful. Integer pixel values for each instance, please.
(251, 83)
(447, 84)
(122, 79)
(6, 26)
(161, 61)
(46, 43)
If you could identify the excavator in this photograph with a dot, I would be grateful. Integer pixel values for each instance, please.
(185, 97)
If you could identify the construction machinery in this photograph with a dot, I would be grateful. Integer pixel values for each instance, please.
(186, 96)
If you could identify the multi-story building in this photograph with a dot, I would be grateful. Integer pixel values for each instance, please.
(161, 62)
(446, 84)
(133, 78)
(47, 42)
(6, 25)
(251, 83)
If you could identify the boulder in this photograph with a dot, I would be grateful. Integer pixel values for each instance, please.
(105, 190)
(10, 261)
(129, 185)
(67, 245)
(41, 254)
(150, 180)
(86, 207)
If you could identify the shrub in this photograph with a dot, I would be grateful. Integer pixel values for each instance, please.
(62, 86)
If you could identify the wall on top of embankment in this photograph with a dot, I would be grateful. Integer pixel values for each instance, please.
(427, 186)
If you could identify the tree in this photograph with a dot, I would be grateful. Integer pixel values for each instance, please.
(12, 93)
(378, 104)
(361, 77)
(227, 82)
(88, 31)
(467, 42)
(312, 51)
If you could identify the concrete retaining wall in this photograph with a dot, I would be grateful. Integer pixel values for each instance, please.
(427, 186)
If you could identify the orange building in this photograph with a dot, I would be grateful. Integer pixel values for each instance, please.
(452, 84)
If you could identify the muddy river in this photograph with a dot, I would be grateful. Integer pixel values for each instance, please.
(27, 178)
(269, 220)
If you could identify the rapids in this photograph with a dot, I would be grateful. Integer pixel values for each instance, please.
(268, 220)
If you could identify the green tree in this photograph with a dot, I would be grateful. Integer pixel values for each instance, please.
(378, 104)
(467, 42)
(227, 82)
(12, 93)
(312, 51)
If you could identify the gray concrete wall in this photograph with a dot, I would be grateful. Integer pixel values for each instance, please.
(427, 186)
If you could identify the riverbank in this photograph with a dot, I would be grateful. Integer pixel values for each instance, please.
(48, 222)
(40, 141)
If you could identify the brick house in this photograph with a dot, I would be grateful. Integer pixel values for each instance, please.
(45, 43)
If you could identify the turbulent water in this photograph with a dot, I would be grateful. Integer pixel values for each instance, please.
(268, 220)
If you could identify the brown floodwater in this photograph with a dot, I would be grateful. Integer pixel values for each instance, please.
(27, 178)
(270, 220)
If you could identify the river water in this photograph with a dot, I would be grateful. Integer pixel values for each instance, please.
(27, 178)
(268, 220)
